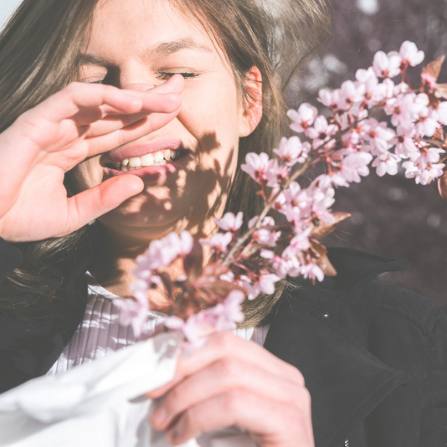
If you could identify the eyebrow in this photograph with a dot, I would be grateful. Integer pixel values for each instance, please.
(160, 49)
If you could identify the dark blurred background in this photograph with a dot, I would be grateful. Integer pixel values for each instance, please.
(390, 215)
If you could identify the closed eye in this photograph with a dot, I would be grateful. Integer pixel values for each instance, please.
(164, 75)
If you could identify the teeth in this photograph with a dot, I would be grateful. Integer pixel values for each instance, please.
(159, 158)
(147, 160)
(135, 162)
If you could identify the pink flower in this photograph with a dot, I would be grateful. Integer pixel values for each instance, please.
(134, 312)
(186, 243)
(405, 146)
(410, 55)
(427, 119)
(330, 99)
(429, 80)
(230, 222)
(312, 271)
(354, 166)
(441, 110)
(162, 252)
(378, 136)
(266, 237)
(404, 109)
(423, 174)
(277, 174)
(302, 118)
(386, 164)
(256, 166)
(300, 241)
(321, 131)
(222, 317)
(265, 283)
(268, 221)
(288, 264)
(229, 312)
(386, 66)
(351, 94)
(291, 151)
(373, 91)
(218, 241)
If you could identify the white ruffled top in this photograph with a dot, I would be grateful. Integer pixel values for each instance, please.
(100, 333)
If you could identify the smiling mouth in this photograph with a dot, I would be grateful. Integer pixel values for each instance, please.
(158, 158)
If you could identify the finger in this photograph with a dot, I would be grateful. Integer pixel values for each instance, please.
(130, 133)
(172, 88)
(77, 95)
(226, 344)
(93, 203)
(272, 423)
(221, 377)
(175, 84)
(156, 103)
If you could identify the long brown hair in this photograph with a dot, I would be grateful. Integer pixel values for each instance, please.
(39, 50)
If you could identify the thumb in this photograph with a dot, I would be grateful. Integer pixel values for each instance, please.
(93, 203)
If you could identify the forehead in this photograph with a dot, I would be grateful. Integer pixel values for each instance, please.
(137, 23)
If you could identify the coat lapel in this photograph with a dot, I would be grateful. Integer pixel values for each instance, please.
(345, 380)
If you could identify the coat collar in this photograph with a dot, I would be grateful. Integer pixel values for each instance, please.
(345, 380)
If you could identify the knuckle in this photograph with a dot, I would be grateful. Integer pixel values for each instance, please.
(295, 375)
(225, 342)
(305, 398)
(231, 403)
(32, 124)
(173, 398)
(229, 367)
(72, 88)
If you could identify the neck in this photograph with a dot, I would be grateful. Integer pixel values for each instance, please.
(115, 262)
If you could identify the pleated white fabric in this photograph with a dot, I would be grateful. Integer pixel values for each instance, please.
(101, 333)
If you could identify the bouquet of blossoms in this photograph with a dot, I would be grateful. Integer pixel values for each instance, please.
(377, 121)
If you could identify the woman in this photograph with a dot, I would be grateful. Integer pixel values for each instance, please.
(185, 90)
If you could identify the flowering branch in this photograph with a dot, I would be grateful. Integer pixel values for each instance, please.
(346, 142)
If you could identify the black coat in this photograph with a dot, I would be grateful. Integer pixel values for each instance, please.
(374, 356)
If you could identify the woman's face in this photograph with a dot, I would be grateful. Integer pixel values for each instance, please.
(145, 42)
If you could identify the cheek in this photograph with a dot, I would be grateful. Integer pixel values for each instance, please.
(212, 107)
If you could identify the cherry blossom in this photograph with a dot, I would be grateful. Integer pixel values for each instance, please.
(387, 66)
(410, 54)
(330, 99)
(218, 241)
(312, 271)
(291, 151)
(386, 164)
(256, 166)
(321, 131)
(302, 118)
(371, 122)
(230, 222)
(351, 93)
